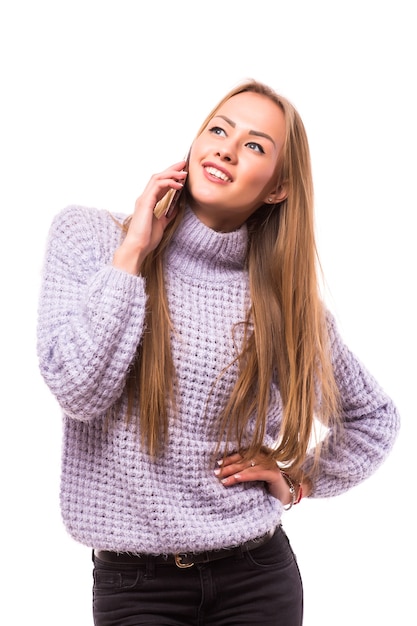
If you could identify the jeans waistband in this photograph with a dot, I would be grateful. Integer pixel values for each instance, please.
(182, 559)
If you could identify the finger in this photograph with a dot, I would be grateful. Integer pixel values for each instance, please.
(160, 182)
(229, 460)
(178, 166)
(249, 474)
(242, 466)
(176, 172)
(159, 186)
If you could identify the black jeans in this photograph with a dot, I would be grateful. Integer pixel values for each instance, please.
(258, 588)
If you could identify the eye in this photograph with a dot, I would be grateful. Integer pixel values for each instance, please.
(255, 146)
(216, 130)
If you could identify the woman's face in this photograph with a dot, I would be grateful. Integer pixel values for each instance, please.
(232, 168)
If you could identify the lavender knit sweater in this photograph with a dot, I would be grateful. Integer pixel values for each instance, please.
(90, 322)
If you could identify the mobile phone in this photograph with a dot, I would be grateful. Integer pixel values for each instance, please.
(173, 195)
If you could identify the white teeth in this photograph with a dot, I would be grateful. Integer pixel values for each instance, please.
(217, 173)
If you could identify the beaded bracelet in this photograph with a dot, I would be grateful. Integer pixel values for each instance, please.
(300, 494)
(292, 491)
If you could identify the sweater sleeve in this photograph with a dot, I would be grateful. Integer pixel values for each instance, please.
(370, 425)
(91, 315)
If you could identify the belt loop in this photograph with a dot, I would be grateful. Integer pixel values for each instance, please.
(239, 552)
(150, 567)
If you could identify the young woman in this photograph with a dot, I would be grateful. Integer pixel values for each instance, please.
(192, 357)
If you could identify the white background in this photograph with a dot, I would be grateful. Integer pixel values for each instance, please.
(95, 97)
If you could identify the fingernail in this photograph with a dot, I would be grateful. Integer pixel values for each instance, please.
(220, 462)
(217, 472)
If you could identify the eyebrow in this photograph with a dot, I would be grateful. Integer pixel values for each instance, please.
(257, 133)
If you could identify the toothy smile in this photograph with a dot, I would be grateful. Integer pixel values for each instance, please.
(213, 171)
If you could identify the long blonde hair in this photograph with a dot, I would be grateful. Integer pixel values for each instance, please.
(289, 338)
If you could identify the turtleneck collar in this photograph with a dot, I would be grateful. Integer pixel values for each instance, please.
(201, 252)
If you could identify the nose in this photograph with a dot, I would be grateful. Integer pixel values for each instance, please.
(224, 156)
(226, 152)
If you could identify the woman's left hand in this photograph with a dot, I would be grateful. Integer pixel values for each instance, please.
(235, 469)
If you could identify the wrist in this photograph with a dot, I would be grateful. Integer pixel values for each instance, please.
(306, 487)
(297, 489)
(128, 258)
(292, 489)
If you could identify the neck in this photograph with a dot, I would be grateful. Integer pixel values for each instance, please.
(221, 221)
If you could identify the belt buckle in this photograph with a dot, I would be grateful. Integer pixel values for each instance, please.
(179, 561)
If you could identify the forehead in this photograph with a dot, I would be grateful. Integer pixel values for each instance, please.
(252, 111)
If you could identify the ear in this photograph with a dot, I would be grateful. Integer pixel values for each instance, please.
(278, 195)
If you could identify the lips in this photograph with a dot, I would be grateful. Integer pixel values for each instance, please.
(219, 173)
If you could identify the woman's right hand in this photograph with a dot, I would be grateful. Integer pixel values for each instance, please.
(145, 230)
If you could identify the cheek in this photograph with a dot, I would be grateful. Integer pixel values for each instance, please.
(193, 173)
(260, 178)
(196, 150)
(194, 160)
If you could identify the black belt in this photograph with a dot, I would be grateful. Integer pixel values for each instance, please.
(182, 559)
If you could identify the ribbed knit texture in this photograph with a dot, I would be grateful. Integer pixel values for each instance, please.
(91, 319)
